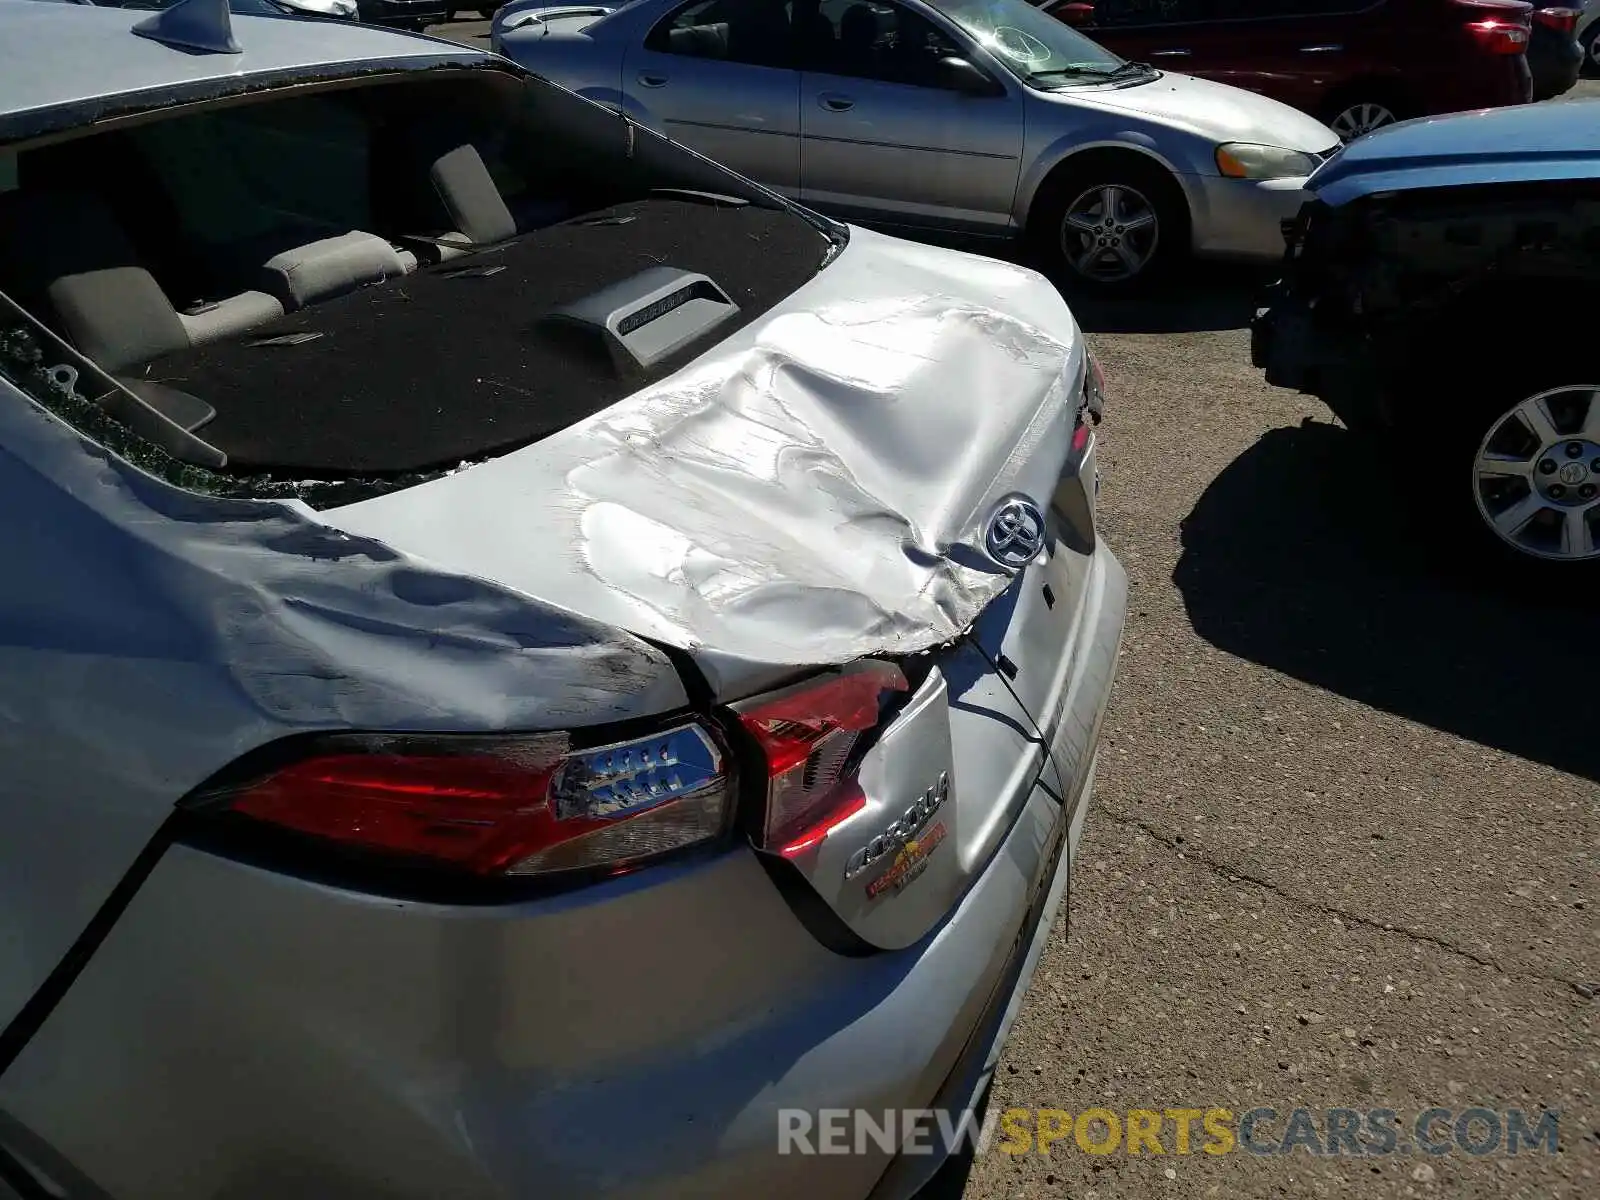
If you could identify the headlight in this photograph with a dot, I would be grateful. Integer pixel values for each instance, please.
(1243, 160)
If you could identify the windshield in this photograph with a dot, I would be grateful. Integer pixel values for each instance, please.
(1034, 46)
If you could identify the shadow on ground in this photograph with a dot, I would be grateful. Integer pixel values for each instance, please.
(1197, 297)
(1203, 296)
(1303, 557)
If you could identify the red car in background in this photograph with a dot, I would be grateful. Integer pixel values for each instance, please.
(1354, 64)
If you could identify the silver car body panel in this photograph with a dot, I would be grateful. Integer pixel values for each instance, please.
(812, 490)
(394, 1050)
(92, 56)
(922, 157)
(691, 1006)
(163, 634)
(806, 492)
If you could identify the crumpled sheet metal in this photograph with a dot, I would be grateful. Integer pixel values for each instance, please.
(150, 636)
(302, 626)
(811, 491)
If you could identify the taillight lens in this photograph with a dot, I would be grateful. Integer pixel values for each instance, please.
(1499, 26)
(1498, 37)
(495, 806)
(1562, 20)
(809, 736)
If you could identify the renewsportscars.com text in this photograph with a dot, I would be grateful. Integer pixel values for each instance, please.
(1352, 1132)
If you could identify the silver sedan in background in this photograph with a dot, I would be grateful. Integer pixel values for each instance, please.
(970, 116)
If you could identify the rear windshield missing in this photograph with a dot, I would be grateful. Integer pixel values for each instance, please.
(275, 289)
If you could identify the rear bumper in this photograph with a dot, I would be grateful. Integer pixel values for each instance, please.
(246, 1033)
(1467, 82)
(1240, 218)
(1554, 60)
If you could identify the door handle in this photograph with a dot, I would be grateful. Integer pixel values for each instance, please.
(1320, 49)
(834, 102)
(651, 79)
(1170, 53)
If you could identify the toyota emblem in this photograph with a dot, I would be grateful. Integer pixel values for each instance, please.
(1016, 532)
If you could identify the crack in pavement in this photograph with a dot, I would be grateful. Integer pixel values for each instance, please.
(1234, 874)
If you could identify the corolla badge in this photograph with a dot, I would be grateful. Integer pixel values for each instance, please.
(903, 829)
(1016, 532)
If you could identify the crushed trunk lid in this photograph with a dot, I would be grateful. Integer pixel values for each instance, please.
(813, 490)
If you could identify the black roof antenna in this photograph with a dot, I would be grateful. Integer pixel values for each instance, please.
(203, 26)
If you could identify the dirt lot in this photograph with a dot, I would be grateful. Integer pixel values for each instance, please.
(1344, 848)
(1347, 839)
(1344, 851)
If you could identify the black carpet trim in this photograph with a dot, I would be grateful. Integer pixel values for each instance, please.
(446, 364)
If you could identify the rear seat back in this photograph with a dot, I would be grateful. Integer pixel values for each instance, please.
(469, 195)
(69, 259)
(328, 267)
(435, 184)
(71, 263)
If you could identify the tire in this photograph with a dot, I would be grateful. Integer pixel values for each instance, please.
(1362, 110)
(1591, 51)
(1519, 461)
(487, 13)
(1135, 241)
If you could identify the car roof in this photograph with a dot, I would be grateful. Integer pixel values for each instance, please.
(1519, 143)
(56, 57)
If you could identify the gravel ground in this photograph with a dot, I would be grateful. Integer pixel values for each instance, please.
(1344, 849)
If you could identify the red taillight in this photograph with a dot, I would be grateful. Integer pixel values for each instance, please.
(808, 735)
(1090, 404)
(1498, 37)
(1562, 20)
(497, 806)
(1499, 26)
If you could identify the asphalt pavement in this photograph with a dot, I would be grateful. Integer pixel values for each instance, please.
(1346, 842)
(1345, 847)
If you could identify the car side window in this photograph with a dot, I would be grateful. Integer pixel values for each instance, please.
(754, 32)
(867, 39)
(1111, 14)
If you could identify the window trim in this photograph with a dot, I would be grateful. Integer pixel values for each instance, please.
(654, 46)
(965, 46)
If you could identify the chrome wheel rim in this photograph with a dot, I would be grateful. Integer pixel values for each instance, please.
(1361, 118)
(1536, 476)
(1594, 51)
(1110, 233)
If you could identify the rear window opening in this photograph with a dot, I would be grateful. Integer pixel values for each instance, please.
(383, 279)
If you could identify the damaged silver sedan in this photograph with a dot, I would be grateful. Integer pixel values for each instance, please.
(526, 654)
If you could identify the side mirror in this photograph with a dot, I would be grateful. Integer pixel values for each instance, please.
(1075, 14)
(959, 75)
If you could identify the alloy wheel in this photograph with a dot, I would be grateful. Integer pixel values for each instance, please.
(1536, 477)
(1110, 233)
(1358, 119)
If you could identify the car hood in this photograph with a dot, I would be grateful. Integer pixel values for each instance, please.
(1212, 110)
(813, 489)
(1524, 143)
